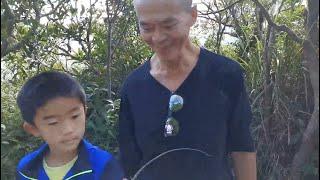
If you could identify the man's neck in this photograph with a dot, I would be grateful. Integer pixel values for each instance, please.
(185, 60)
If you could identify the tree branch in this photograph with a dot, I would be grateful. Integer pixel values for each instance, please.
(9, 27)
(66, 53)
(54, 9)
(278, 27)
(220, 10)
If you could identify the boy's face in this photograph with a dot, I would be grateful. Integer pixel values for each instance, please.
(61, 123)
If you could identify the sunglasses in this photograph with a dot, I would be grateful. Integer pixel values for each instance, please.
(172, 125)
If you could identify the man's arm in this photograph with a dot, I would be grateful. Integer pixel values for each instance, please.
(130, 154)
(245, 166)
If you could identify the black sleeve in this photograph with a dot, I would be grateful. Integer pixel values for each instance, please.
(130, 154)
(113, 171)
(239, 136)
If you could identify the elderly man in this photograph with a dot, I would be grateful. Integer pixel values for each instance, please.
(198, 94)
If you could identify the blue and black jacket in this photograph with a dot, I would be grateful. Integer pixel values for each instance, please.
(92, 164)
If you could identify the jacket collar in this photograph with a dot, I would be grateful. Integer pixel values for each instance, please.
(34, 167)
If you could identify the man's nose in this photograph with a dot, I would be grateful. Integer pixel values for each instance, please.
(158, 36)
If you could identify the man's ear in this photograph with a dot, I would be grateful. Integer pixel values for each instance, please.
(194, 14)
(31, 129)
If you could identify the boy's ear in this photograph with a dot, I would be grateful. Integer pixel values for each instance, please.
(85, 109)
(31, 129)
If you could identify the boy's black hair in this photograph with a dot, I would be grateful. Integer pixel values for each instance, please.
(38, 90)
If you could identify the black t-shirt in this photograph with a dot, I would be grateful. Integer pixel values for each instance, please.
(215, 119)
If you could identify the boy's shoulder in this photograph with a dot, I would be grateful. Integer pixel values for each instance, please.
(103, 162)
(31, 157)
(97, 156)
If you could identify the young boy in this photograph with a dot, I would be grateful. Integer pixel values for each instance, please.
(53, 106)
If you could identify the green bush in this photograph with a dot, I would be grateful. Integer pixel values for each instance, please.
(102, 117)
(15, 143)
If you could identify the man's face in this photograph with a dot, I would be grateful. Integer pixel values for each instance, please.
(164, 26)
(61, 123)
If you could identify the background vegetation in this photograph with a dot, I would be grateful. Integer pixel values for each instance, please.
(276, 41)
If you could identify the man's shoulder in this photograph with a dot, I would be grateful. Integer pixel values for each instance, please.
(220, 63)
(225, 71)
(137, 76)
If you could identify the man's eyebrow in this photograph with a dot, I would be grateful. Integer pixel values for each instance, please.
(165, 21)
(142, 23)
(168, 20)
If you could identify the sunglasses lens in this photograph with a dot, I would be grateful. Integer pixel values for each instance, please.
(175, 103)
(171, 127)
(176, 107)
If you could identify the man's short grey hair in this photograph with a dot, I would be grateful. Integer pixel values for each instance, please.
(186, 4)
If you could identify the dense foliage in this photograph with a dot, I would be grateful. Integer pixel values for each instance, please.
(99, 44)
